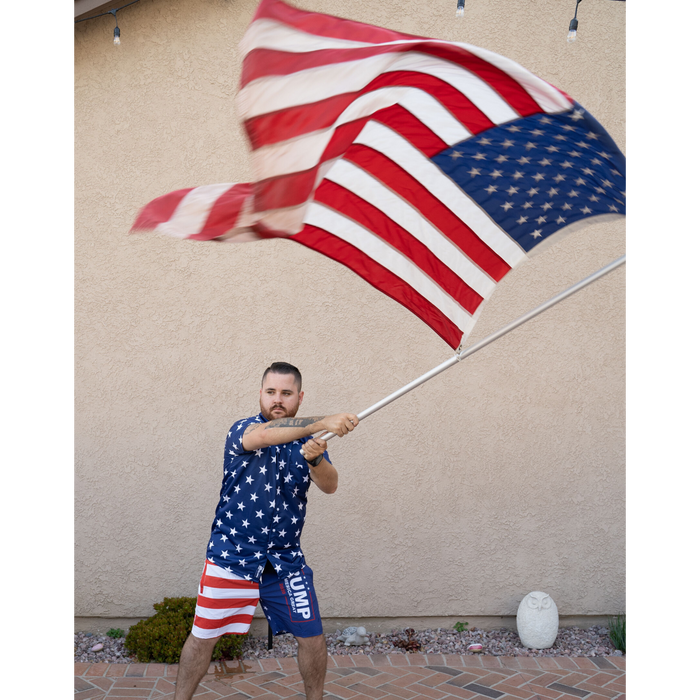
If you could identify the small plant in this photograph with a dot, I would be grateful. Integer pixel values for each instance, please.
(230, 646)
(160, 638)
(411, 643)
(115, 633)
(461, 626)
(616, 627)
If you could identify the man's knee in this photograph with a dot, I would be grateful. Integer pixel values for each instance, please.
(200, 646)
(317, 643)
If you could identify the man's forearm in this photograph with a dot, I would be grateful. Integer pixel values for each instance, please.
(281, 423)
(280, 431)
(325, 476)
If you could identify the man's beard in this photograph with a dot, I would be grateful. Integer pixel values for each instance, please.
(282, 413)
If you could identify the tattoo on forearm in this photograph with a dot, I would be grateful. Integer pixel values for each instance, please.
(292, 422)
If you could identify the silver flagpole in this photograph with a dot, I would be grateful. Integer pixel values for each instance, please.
(486, 341)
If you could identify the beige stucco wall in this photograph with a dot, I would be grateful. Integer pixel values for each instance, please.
(503, 475)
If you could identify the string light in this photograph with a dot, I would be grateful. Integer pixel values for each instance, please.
(117, 32)
(573, 25)
(460, 8)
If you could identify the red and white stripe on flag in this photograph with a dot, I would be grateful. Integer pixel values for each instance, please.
(343, 119)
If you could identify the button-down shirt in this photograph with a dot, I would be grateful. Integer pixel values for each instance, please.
(262, 507)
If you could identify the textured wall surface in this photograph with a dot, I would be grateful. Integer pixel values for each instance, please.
(503, 475)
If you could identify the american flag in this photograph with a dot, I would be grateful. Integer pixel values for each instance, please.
(429, 168)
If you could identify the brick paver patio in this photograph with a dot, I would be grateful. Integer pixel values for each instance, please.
(353, 677)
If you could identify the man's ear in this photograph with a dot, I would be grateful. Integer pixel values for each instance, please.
(301, 397)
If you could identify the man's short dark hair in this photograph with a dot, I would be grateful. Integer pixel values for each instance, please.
(283, 368)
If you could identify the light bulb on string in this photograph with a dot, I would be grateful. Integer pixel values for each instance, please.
(573, 26)
(117, 32)
(460, 8)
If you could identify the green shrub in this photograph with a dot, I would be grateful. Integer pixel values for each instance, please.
(616, 628)
(461, 626)
(229, 646)
(115, 633)
(160, 638)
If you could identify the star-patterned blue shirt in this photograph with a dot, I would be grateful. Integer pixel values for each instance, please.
(262, 507)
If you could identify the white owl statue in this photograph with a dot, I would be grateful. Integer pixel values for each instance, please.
(537, 620)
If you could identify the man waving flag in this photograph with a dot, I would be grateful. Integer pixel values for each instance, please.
(429, 168)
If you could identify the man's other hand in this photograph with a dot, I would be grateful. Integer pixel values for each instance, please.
(341, 423)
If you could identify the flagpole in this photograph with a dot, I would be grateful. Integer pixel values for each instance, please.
(486, 341)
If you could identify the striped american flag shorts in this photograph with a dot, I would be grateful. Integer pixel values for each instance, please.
(225, 603)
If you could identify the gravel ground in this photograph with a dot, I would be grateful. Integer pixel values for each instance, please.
(571, 641)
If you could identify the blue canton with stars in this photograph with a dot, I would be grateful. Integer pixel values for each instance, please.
(262, 507)
(539, 174)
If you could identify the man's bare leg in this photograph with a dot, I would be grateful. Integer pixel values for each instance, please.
(194, 662)
(313, 660)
